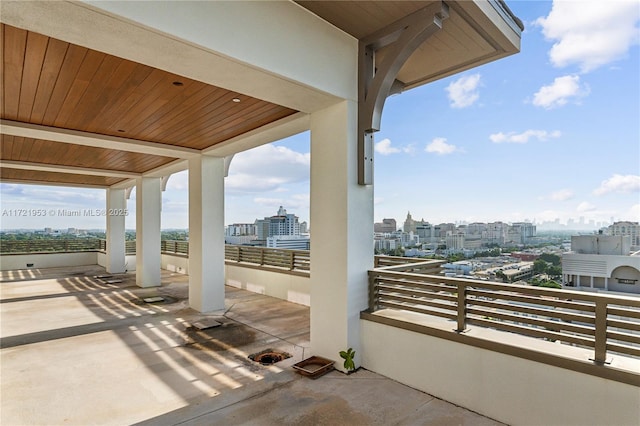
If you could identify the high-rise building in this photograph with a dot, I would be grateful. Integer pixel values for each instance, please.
(280, 224)
(409, 224)
(387, 226)
(632, 229)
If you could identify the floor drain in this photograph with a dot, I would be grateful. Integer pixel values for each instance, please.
(269, 356)
(155, 299)
(206, 323)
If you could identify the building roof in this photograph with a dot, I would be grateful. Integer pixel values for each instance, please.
(74, 115)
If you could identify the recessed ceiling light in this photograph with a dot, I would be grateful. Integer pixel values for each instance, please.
(178, 83)
(236, 100)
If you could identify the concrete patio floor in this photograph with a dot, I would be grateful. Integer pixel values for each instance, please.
(76, 349)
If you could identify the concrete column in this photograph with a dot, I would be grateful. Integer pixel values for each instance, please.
(606, 283)
(591, 281)
(578, 280)
(148, 207)
(342, 233)
(116, 207)
(206, 233)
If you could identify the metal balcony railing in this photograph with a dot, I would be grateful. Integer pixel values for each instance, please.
(175, 247)
(280, 259)
(291, 260)
(602, 323)
(49, 245)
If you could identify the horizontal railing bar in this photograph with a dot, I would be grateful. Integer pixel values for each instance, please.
(386, 297)
(404, 307)
(631, 338)
(421, 293)
(566, 316)
(551, 325)
(417, 284)
(586, 307)
(627, 325)
(624, 349)
(533, 332)
(622, 312)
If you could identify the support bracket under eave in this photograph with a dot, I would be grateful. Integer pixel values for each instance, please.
(401, 39)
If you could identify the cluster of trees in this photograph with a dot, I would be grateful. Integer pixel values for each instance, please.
(549, 264)
(177, 235)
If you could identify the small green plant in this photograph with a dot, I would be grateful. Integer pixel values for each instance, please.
(348, 359)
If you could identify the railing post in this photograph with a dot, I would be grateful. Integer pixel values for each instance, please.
(462, 308)
(261, 257)
(291, 261)
(601, 332)
(373, 295)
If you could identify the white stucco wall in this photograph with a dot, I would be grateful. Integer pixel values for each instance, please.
(179, 264)
(293, 288)
(129, 261)
(47, 260)
(506, 388)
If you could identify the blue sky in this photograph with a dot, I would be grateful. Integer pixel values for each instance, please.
(550, 133)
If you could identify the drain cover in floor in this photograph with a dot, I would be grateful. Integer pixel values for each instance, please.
(269, 356)
(205, 323)
(113, 281)
(154, 299)
(103, 276)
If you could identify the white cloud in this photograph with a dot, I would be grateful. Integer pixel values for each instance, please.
(634, 212)
(619, 183)
(464, 91)
(513, 137)
(441, 147)
(562, 195)
(384, 147)
(560, 92)
(409, 149)
(590, 34)
(266, 168)
(585, 207)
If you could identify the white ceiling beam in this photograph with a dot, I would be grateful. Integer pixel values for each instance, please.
(168, 169)
(58, 184)
(23, 165)
(125, 184)
(283, 128)
(36, 131)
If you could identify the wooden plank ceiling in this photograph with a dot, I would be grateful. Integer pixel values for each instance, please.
(60, 85)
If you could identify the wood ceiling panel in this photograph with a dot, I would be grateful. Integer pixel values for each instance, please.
(32, 176)
(61, 154)
(15, 42)
(57, 84)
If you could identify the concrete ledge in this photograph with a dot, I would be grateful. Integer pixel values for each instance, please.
(622, 368)
(9, 262)
(500, 379)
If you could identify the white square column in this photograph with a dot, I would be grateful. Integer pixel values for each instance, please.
(341, 233)
(116, 208)
(206, 233)
(148, 208)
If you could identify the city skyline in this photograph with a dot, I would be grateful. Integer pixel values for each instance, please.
(548, 134)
